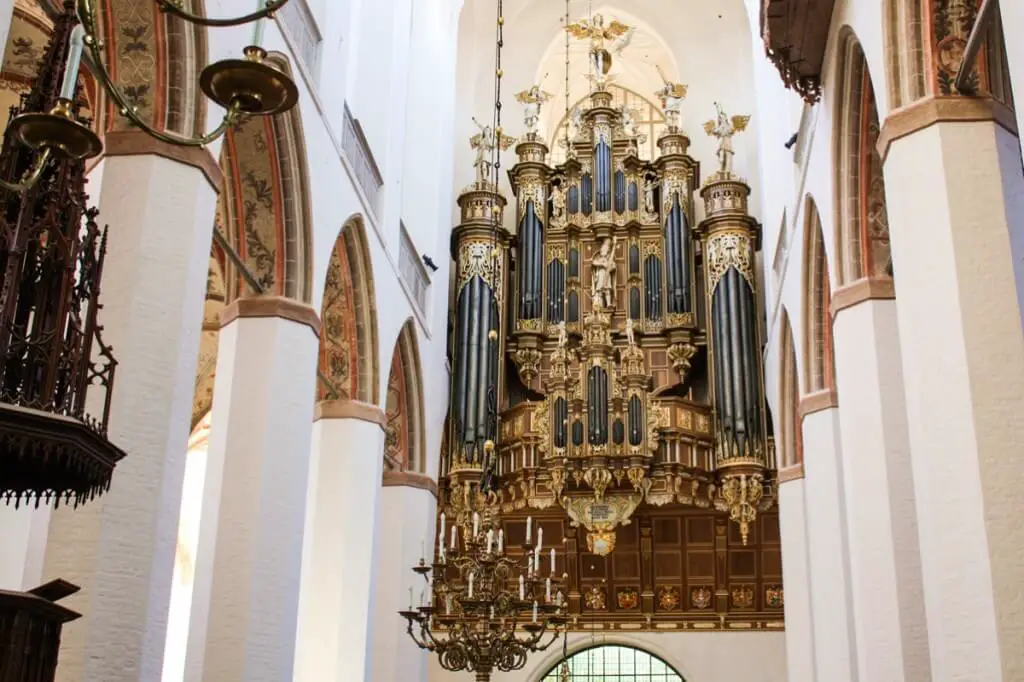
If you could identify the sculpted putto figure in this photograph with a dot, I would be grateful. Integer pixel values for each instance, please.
(603, 276)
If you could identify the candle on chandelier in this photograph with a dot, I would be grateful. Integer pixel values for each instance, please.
(75, 44)
(441, 534)
(490, 539)
(423, 597)
(522, 588)
(540, 538)
(552, 561)
(536, 561)
(470, 594)
(501, 541)
(529, 528)
(423, 551)
(476, 524)
(547, 590)
(257, 31)
(455, 530)
(410, 597)
(534, 610)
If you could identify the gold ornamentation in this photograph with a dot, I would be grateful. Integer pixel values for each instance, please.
(674, 185)
(628, 598)
(741, 494)
(556, 252)
(678, 320)
(668, 598)
(475, 259)
(532, 190)
(680, 355)
(597, 33)
(594, 598)
(700, 597)
(527, 363)
(535, 325)
(728, 249)
(598, 478)
(774, 596)
(657, 418)
(743, 597)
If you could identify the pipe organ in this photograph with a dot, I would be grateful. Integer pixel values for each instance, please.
(606, 351)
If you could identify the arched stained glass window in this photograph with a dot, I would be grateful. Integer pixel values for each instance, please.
(613, 663)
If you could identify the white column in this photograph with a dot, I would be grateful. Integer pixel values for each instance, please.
(885, 561)
(405, 533)
(6, 15)
(120, 549)
(956, 215)
(796, 575)
(245, 597)
(1013, 19)
(23, 534)
(834, 639)
(338, 562)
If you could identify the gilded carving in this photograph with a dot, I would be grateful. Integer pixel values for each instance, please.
(743, 596)
(534, 325)
(741, 494)
(527, 363)
(628, 599)
(476, 259)
(668, 598)
(700, 597)
(728, 249)
(594, 598)
(680, 355)
(774, 596)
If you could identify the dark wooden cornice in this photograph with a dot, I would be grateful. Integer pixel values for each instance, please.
(795, 33)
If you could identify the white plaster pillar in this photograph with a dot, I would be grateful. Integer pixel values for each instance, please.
(6, 15)
(796, 575)
(956, 213)
(885, 561)
(831, 608)
(405, 533)
(1013, 18)
(245, 596)
(120, 548)
(23, 534)
(338, 554)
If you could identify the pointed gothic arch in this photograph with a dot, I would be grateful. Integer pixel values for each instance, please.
(403, 440)
(349, 354)
(263, 208)
(819, 353)
(862, 223)
(789, 435)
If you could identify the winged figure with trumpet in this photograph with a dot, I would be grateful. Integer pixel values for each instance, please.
(594, 29)
(724, 127)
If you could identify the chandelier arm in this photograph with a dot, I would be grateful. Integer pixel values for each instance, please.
(30, 177)
(176, 7)
(87, 17)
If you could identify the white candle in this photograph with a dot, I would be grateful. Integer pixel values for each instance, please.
(454, 532)
(547, 589)
(490, 539)
(67, 89)
(529, 527)
(552, 561)
(423, 551)
(476, 524)
(559, 597)
(410, 597)
(534, 610)
(470, 595)
(536, 562)
(501, 542)
(423, 597)
(540, 538)
(522, 588)
(257, 31)
(492, 613)
(441, 534)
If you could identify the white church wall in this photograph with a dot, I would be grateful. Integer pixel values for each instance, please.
(698, 656)
(1013, 19)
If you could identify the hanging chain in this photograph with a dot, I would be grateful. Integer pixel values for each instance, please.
(567, 78)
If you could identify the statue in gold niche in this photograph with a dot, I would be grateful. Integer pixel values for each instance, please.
(724, 127)
(595, 30)
(603, 275)
(557, 205)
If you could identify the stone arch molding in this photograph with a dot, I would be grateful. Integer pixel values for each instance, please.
(348, 364)
(819, 354)
(790, 436)
(404, 449)
(862, 220)
(263, 210)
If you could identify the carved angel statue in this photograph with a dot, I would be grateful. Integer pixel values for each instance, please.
(484, 143)
(630, 333)
(628, 122)
(532, 100)
(724, 127)
(557, 204)
(672, 96)
(603, 275)
(595, 30)
(563, 336)
(577, 120)
(649, 188)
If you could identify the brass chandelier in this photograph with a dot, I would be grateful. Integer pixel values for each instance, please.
(247, 86)
(483, 610)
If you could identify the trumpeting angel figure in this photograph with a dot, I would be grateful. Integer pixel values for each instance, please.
(532, 100)
(485, 143)
(672, 96)
(595, 30)
(724, 127)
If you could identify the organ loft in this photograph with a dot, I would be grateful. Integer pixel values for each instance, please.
(606, 383)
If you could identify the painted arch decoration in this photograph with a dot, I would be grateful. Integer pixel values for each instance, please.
(818, 344)
(614, 663)
(403, 439)
(348, 340)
